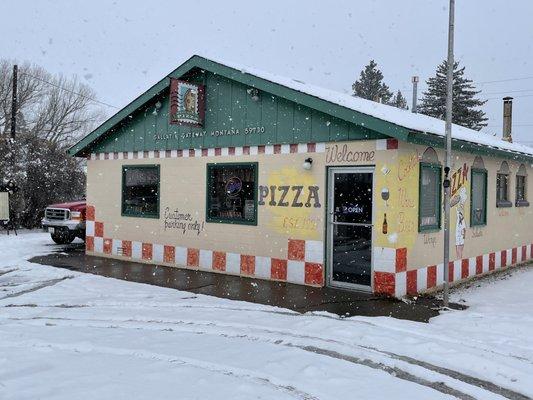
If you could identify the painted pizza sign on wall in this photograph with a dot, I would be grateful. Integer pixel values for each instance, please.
(187, 103)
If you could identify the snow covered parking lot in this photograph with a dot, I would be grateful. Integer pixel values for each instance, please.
(66, 335)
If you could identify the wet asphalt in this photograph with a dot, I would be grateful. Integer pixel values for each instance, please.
(280, 294)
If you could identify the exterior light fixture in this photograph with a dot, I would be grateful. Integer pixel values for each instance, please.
(308, 163)
(254, 94)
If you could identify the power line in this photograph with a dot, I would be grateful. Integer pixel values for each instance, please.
(68, 90)
(513, 125)
(499, 98)
(510, 91)
(507, 80)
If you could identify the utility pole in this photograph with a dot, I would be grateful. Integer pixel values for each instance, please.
(414, 79)
(448, 131)
(14, 103)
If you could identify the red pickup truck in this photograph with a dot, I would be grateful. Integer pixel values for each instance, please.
(65, 221)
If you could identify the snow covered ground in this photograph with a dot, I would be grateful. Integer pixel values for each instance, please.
(66, 335)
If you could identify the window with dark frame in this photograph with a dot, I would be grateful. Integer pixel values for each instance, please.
(430, 197)
(478, 197)
(232, 193)
(502, 186)
(521, 187)
(140, 191)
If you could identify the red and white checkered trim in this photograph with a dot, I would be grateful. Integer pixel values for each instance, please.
(387, 144)
(306, 271)
(392, 278)
(389, 263)
(304, 264)
(214, 152)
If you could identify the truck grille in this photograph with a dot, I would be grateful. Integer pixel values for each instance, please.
(57, 214)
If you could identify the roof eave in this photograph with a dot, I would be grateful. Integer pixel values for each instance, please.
(433, 140)
(341, 112)
(347, 114)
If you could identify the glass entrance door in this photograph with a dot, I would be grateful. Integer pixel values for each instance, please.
(350, 227)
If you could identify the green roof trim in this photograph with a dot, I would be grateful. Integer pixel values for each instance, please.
(427, 139)
(360, 119)
(335, 110)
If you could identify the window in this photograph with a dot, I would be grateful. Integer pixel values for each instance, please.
(521, 187)
(429, 194)
(232, 193)
(140, 191)
(502, 186)
(478, 193)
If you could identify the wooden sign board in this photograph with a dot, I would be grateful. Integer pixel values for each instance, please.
(4, 206)
(187, 103)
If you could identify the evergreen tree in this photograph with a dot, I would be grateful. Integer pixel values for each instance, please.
(370, 85)
(465, 103)
(399, 101)
(44, 173)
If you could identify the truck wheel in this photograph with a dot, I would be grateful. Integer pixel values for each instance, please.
(63, 237)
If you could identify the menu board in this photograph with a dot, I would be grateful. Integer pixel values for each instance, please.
(249, 209)
(4, 206)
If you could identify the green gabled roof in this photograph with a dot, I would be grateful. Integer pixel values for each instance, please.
(245, 78)
(383, 119)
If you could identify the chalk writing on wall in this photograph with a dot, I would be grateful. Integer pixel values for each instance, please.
(305, 223)
(405, 223)
(404, 199)
(477, 232)
(340, 154)
(503, 213)
(430, 240)
(400, 177)
(180, 221)
(406, 165)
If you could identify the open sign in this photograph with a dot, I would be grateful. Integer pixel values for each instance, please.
(233, 186)
(352, 209)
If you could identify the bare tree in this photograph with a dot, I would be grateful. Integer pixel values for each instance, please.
(53, 112)
(54, 108)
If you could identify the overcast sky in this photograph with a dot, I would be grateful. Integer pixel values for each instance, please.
(121, 48)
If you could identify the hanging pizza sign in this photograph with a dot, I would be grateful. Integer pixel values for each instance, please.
(187, 103)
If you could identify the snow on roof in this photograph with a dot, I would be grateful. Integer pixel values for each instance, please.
(404, 118)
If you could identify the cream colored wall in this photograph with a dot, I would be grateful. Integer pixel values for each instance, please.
(506, 227)
(183, 189)
(183, 186)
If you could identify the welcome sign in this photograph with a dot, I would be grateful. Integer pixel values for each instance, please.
(187, 103)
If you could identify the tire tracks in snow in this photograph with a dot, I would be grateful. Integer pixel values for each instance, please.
(370, 357)
(394, 371)
(217, 368)
(426, 337)
(7, 271)
(502, 391)
(39, 286)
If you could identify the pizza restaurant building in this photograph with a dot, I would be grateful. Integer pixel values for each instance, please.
(236, 171)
